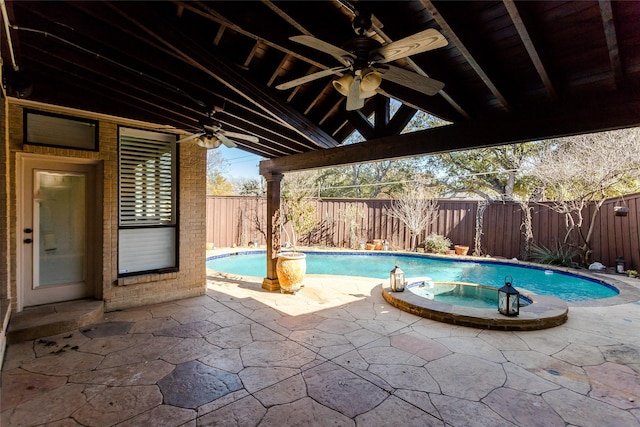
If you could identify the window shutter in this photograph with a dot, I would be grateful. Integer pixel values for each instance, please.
(146, 178)
(147, 235)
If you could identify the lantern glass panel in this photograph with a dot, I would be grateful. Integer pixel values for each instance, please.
(514, 304)
(502, 302)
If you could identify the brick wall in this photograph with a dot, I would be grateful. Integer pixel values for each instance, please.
(189, 281)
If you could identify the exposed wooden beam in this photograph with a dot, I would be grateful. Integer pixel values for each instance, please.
(382, 115)
(255, 48)
(318, 97)
(362, 124)
(276, 73)
(159, 94)
(531, 49)
(453, 38)
(332, 111)
(521, 127)
(219, 34)
(213, 16)
(401, 119)
(612, 40)
(128, 92)
(288, 19)
(215, 67)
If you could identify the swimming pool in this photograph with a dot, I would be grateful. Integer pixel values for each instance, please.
(536, 279)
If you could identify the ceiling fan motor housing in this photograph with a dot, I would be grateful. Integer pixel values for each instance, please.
(361, 47)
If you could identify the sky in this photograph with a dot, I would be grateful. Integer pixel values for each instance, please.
(242, 164)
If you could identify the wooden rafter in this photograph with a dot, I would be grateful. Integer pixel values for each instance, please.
(213, 16)
(286, 17)
(206, 62)
(321, 94)
(453, 38)
(255, 48)
(612, 40)
(276, 73)
(531, 49)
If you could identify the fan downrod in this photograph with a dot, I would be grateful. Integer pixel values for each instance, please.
(362, 22)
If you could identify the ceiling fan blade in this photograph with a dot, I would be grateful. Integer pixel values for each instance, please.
(210, 128)
(191, 137)
(420, 42)
(310, 77)
(354, 102)
(226, 141)
(411, 80)
(242, 136)
(345, 58)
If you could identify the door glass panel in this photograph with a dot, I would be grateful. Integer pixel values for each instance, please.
(60, 229)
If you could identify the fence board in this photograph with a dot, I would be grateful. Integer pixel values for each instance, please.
(236, 220)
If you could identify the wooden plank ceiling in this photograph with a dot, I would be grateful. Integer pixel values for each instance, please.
(513, 71)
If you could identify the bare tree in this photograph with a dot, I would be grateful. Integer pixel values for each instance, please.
(416, 208)
(352, 216)
(585, 169)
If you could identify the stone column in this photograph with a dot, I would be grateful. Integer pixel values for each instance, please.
(270, 282)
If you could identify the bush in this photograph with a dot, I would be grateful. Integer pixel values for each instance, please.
(436, 244)
(558, 255)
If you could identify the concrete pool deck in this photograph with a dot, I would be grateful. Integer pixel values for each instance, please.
(336, 353)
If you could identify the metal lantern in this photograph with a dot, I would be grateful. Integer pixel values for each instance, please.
(508, 298)
(396, 279)
(620, 266)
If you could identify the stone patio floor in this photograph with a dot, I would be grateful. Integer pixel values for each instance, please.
(334, 354)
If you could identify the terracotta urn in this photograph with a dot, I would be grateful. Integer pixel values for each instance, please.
(291, 268)
(461, 250)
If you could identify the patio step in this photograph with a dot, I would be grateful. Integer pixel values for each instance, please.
(51, 319)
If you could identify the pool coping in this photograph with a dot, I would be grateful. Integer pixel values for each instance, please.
(544, 311)
(629, 289)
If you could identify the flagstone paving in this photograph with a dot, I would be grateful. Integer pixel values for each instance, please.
(334, 354)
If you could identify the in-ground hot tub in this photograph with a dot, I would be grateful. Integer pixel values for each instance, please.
(468, 304)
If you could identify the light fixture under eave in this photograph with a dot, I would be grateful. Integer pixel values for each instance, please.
(368, 84)
(209, 142)
(343, 84)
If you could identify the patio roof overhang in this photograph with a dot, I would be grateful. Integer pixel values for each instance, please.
(513, 71)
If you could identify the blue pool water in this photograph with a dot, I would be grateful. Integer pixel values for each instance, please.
(538, 280)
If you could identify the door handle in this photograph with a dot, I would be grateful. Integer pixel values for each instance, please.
(28, 230)
(28, 241)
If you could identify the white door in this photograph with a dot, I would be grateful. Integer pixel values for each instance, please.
(57, 228)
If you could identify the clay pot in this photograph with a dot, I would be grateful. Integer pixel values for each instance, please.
(370, 246)
(291, 268)
(461, 250)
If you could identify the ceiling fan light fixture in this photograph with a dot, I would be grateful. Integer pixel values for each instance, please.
(213, 142)
(201, 142)
(343, 84)
(370, 82)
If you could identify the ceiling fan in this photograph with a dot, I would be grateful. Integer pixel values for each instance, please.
(211, 134)
(367, 62)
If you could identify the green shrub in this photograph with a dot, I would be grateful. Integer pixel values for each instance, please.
(561, 255)
(436, 244)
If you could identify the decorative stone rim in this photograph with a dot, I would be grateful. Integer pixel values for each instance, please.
(544, 311)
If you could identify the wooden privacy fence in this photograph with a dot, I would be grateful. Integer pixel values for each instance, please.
(238, 220)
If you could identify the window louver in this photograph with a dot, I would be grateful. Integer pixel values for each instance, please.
(146, 185)
(147, 236)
